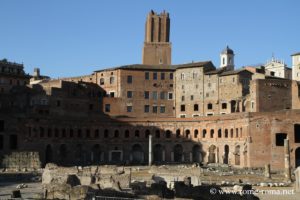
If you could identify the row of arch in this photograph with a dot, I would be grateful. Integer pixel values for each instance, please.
(95, 155)
(79, 133)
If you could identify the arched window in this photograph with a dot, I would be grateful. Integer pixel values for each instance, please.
(196, 133)
(157, 134)
(126, 134)
(168, 134)
(226, 133)
(203, 133)
(212, 133)
(116, 133)
(106, 132)
(137, 133)
(187, 133)
(219, 133)
(178, 133)
(96, 133)
(147, 133)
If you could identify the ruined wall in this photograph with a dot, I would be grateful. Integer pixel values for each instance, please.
(21, 160)
(265, 148)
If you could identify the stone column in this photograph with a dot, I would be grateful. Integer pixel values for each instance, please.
(150, 150)
(297, 182)
(191, 157)
(164, 155)
(287, 163)
(172, 156)
(267, 171)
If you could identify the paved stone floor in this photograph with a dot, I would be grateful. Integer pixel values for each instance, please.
(33, 191)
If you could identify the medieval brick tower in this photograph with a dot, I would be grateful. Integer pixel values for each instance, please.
(157, 48)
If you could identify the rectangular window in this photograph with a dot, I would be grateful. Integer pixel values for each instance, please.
(107, 107)
(154, 109)
(58, 103)
(280, 137)
(101, 81)
(162, 109)
(129, 79)
(146, 94)
(129, 94)
(147, 76)
(224, 105)
(129, 108)
(192, 97)
(170, 95)
(154, 76)
(162, 95)
(154, 95)
(182, 108)
(182, 98)
(196, 107)
(162, 76)
(171, 76)
(111, 80)
(146, 108)
(209, 84)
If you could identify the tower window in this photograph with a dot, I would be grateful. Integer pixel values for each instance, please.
(223, 61)
(154, 76)
(129, 79)
(162, 76)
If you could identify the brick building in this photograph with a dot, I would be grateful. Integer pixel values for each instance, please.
(193, 112)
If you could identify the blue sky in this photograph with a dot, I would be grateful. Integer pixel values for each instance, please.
(71, 38)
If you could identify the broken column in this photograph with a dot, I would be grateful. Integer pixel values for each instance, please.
(267, 171)
(150, 150)
(297, 182)
(287, 164)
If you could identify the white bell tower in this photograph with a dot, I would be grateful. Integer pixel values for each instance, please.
(227, 59)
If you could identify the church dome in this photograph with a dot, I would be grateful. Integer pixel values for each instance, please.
(227, 50)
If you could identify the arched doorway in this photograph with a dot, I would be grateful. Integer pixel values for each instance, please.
(137, 154)
(62, 153)
(297, 157)
(79, 154)
(178, 153)
(158, 153)
(237, 156)
(48, 154)
(226, 153)
(196, 154)
(96, 154)
(212, 154)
